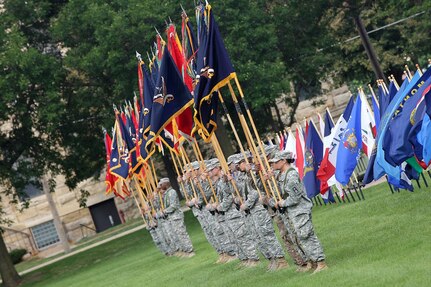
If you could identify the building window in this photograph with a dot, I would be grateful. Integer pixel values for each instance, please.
(30, 191)
(45, 234)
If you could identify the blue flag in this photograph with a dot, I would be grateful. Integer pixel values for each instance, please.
(384, 98)
(146, 102)
(119, 163)
(402, 121)
(171, 98)
(329, 125)
(376, 111)
(126, 134)
(381, 166)
(312, 158)
(214, 70)
(350, 145)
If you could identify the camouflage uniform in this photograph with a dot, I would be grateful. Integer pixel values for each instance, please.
(299, 213)
(157, 235)
(175, 217)
(164, 226)
(259, 219)
(245, 246)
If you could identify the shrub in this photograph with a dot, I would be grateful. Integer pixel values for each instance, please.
(17, 255)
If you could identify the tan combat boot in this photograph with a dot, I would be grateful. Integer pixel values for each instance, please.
(321, 265)
(229, 258)
(281, 263)
(271, 265)
(221, 258)
(305, 268)
(252, 263)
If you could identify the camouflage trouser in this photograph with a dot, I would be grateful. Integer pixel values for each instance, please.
(159, 242)
(246, 247)
(228, 241)
(179, 233)
(219, 236)
(264, 230)
(290, 240)
(207, 229)
(164, 231)
(307, 238)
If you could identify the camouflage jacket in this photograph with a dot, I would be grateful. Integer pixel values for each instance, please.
(293, 192)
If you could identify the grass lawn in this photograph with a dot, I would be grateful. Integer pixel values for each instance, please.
(382, 241)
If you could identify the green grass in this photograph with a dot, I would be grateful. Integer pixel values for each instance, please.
(382, 241)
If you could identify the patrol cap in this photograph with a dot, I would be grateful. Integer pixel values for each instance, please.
(238, 158)
(195, 165)
(163, 180)
(281, 155)
(231, 159)
(213, 163)
(270, 150)
(186, 167)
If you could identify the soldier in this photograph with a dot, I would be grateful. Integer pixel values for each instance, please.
(215, 219)
(175, 216)
(245, 246)
(285, 228)
(298, 208)
(157, 236)
(259, 219)
(163, 224)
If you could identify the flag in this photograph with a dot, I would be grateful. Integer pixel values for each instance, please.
(328, 165)
(119, 164)
(381, 166)
(125, 130)
(312, 157)
(328, 126)
(376, 111)
(300, 147)
(281, 143)
(321, 124)
(189, 45)
(424, 138)
(350, 145)
(368, 126)
(109, 177)
(146, 100)
(183, 124)
(290, 143)
(402, 121)
(171, 98)
(214, 71)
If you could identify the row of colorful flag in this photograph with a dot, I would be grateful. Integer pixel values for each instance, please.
(394, 135)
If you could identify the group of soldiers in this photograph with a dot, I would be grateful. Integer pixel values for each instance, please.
(236, 212)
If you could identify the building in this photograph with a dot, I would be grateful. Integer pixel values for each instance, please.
(33, 228)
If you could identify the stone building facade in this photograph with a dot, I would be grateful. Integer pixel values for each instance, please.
(33, 229)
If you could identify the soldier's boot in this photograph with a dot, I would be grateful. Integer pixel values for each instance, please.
(243, 263)
(321, 265)
(229, 258)
(252, 263)
(221, 258)
(281, 263)
(305, 268)
(189, 254)
(178, 254)
(272, 265)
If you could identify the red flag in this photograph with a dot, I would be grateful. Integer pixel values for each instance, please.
(300, 144)
(109, 177)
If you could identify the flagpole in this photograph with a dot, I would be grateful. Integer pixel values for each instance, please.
(183, 153)
(201, 161)
(253, 147)
(183, 167)
(241, 147)
(139, 208)
(179, 174)
(224, 165)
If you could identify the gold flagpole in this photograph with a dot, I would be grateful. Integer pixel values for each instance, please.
(224, 165)
(241, 147)
(179, 174)
(247, 130)
(184, 155)
(201, 162)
